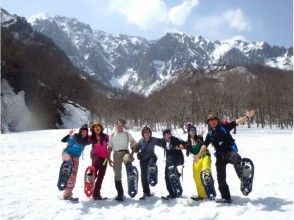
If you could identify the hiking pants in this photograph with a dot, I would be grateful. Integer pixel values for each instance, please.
(222, 160)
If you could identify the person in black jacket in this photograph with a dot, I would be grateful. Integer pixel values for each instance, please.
(226, 150)
(174, 156)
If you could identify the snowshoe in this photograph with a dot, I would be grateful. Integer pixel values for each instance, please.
(89, 180)
(247, 176)
(175, 183)
(64, 174)
(152, 174)
(208, 183)
(99, 198)
(132, 174)
(223, 201)
(145, 196)
(196, 198)
(72, 199)
(120, 198)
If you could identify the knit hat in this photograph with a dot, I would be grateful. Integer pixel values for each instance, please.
(192, 129)
(84, 127)
(166, 131)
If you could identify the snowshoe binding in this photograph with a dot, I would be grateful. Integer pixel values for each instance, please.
(152, 173)
(208, 183)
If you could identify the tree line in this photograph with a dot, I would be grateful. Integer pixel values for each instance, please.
(196, 93)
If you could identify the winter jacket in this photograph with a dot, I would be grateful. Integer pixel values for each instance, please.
(100, 147)
(171, 151)
(147, 147)
(221, 138)
(75, 144)
(194, 149)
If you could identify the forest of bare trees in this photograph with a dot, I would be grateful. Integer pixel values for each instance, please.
(197, 93)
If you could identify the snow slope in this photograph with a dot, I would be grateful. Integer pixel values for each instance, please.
(30, 165)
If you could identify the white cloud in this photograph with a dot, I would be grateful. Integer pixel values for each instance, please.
(236, 19)
(143, 13)
(147, 14)
(224, 25)
(178, 14)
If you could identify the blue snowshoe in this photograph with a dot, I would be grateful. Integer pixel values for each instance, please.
(64, 174)
(152, 173)
(247, 176)
(175, 182)
(132, 175)
(208, 183)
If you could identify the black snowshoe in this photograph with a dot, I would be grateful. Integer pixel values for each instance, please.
(152, 173)
(175, 182)
(208, 183)
(247, 176)
(132, 174)
(72, 200)
(64, 174)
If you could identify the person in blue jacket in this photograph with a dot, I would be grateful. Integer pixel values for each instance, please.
(76, 144)
(226, 150)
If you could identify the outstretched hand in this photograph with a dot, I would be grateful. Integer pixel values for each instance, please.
(71, 131)
(250, 113)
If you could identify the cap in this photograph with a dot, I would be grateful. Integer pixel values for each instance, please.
(98, 124)
(212, 116)
(120, 122)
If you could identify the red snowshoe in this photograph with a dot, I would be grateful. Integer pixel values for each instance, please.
(89, 179)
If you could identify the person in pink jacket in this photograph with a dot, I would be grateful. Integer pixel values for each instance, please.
(99, 142)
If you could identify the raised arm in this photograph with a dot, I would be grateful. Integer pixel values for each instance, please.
(246, 117)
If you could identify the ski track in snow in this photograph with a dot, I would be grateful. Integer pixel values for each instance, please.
(31, 160)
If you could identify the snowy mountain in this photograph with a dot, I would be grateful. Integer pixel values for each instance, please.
(40, 87)
(140, 65)
(32, 161)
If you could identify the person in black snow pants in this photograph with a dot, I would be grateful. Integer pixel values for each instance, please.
(146, 155)
(174, 156)
(226, 150)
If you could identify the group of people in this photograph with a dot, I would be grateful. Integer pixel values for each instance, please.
(114, 150)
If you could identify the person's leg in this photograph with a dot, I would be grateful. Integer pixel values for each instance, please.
(117, 166)
(169, 163)
(72, 179)
(101, 166)
(235, 159)
(197, 168)
(144, 179)
(223, 187)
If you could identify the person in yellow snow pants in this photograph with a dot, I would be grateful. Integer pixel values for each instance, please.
(202, 166)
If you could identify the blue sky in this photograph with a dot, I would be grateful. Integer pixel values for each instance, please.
(254, 20)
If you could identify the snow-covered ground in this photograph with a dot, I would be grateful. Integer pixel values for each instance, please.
(30, 164)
